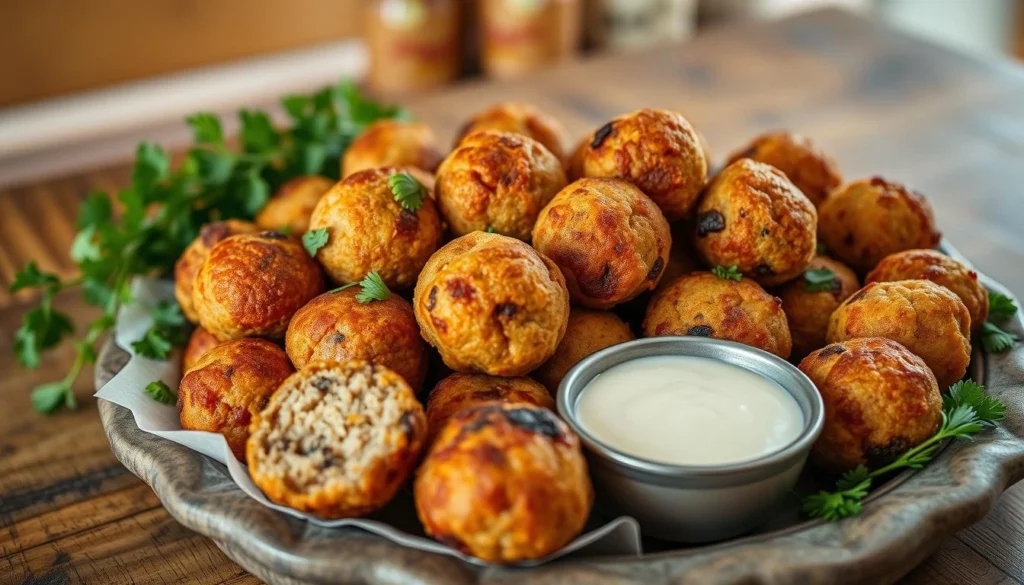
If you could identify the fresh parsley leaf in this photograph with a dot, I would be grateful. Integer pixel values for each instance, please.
(166, 333)
(96, 292)
(258, 134)
(151, 166)
(820, 280)
(313, 240)
(854, 477)
(213, 168)
(47, 397)
(206, 128)
(727, 272)
(85, 247)
(374, 289)
(490, 229)
(30, 276)
(41, 328)
(153, 345)
(1000, 305)
(297, 106)
(95, 210)
(161, 392)
(987, 408)
(994, 339)
(313, 157)
(408, 192)
(252, 192)
(166, 314)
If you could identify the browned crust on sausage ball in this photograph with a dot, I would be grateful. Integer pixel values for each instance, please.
(337, 439)
(392, 143)
(524, 473)
(808, 312)
(491, 304)
(199, 342)
(656, 150)
(942, 270)
(924, 317)
(292, 205)
(460, 391)
(812, 171)
(610, 241)
(251, 285)
(869, 219)
(587, 333)
(752, 217)
(368, 230)
(703, 304)
(497, 180)
(520, 118)
(336, 326)
(880, 401)
(191, 260)
(228, 386)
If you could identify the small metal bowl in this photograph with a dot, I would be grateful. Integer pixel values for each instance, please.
(684, 503)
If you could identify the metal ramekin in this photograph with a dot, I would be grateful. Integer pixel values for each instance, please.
(685, 503)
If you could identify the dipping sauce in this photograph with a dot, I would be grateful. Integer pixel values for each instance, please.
(687, 410)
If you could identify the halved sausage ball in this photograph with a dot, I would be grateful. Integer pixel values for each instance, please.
(191, 260)
(587, 333)
(869, 219)
(386, 143)
(461, 391)
(497, 181)
(809, 304)
(656, 150)
(924, 317)
(520, 118)
(880, 399)
(292, 205)
(609, 240)
(706, 305)
(807, 166)
(252, 284)
(752, 217)
(491, 304)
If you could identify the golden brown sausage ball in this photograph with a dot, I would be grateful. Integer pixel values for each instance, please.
(461, 391)
(198, 344)
(808, 307)
(289, 209)
(491, 304)
(368, 230)
(504, 483)
(880, 399)
(811, 170)
(336, 326)
(940, 269)
(656, 150)
(926, 318)
(609, 240)
(869, 219)
(337, 439)
(191, 260)
(386, 143)
(520, 118)
(706, 305)
(587, 333)
(498, 181)
(752, 217)
(252, 284)
(229, 386)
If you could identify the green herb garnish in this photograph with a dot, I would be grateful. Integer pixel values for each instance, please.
(313, 240)
(161, 392)
(993, 338)
(819, 280)
(1000, 305)
(727, 272)
(373, 288)
(490, 229)
(408, 192)
(167, 332)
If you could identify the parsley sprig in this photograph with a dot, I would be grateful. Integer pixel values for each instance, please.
(820, 280)
(313, 240)
(162, 210)
(966, 411)
(372, 288)
(727, 272)
(408, 192)
(993, 338)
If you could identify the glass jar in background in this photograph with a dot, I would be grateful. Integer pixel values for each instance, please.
(413, 44)
(626, 25)
(518, 36)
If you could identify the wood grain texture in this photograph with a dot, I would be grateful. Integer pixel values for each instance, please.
(880, 102)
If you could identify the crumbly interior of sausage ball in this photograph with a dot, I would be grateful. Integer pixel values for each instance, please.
(328, 428)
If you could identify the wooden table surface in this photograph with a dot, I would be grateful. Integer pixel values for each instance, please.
(879, 101)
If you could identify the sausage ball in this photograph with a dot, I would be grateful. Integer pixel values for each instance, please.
(337, 439)
(504, 483)
(926, 318)
(497, 181)
(387, 143)
(656, 150)
(252, 284)
(609, 240)
(869, 219)
(811, 170)
(336, 326)
(809, 304)
(191, 260)
(289, 209)
(520, 118)
(198, 344)
(880, 399)
(940, 269)
(587, 333)
(228, 386)
(460, 391)
(706, 305)
(491, 304)
(752, 217)
(369, 230)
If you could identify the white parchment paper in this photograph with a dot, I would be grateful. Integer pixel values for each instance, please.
(620, 536)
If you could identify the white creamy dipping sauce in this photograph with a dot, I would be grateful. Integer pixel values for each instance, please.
(688, 410)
